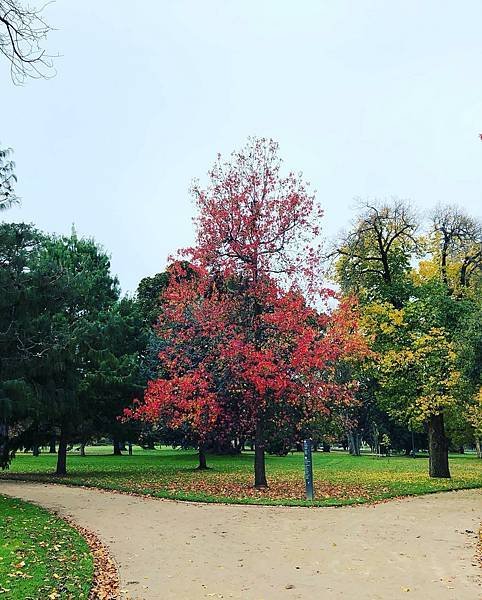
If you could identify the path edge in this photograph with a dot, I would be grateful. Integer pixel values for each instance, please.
(105, 580)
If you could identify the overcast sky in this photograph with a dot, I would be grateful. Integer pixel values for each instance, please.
(367, 98)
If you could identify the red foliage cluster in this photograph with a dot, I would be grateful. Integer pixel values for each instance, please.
(220, 374)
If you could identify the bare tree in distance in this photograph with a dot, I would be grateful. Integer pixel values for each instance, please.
(459, 239)
(378, 246)
(23, 32)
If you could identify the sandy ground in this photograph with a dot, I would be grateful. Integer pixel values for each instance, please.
(413, 548)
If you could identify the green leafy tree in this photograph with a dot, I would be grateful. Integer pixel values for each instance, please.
(54, 289)
(149, 292)
(80, 287)
(8, 179)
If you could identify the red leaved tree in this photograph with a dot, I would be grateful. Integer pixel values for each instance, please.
(240, 340)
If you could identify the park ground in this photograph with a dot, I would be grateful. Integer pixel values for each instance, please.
(338, 477)
(41, 556)
(421, 547)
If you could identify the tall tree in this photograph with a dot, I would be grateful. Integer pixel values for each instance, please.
(256, 224)
(376, 259)
(81, 287)
(258, 229)
(70, 350)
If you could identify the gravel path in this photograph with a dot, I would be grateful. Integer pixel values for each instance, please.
(419, 547)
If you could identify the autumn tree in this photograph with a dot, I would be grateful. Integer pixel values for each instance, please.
(418, 378)
(257, 342)
(256, 224)
(378, 259)
(453, 264)
(373, 261)
(418, 373)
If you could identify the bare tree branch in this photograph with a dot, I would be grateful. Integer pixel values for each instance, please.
(23, 31)
(377, 230)
(459, 238)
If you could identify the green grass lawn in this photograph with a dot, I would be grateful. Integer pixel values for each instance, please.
(41, 557)
(339, 478)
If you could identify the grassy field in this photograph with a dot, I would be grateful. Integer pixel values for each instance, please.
(41, 557)
(338, 477)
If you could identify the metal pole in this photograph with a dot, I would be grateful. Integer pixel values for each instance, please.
(307, 450)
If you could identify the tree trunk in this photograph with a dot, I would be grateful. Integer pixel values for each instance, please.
(52, 449)
(438, 448)
(444, 261)
(82, 449)
(260, 481)
(3, 444)
(478, 447)
(349, 437)
(202, 458)
(239, 445)
(326, 447)
(354, 443)
(35, 450)
(463, 274)
(129, 445)
(117, 447)
(62, 455)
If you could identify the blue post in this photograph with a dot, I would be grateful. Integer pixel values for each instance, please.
(308, 469)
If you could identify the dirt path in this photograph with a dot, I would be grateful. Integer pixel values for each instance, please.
(414, 548)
